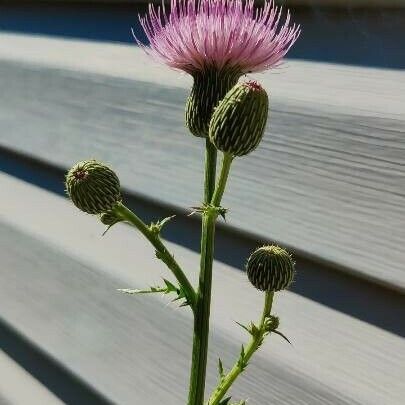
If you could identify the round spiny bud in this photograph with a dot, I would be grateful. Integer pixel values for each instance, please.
(209, 87)
(93, 187)
(270, 268)
(237, 124)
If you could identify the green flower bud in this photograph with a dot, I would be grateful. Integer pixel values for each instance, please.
(93, 187)
(270, 268)
(237, 124)
(209, 87)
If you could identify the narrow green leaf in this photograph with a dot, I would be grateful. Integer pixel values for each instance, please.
(282, 335)
(244, 327)
(164, 221)
(242, 352)
(241, 362)
(151, 290)
(254, 330)
(170, 286)
(221, 369)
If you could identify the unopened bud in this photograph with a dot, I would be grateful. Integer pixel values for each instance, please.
(270, 268)
(237, 124)
(93, 187)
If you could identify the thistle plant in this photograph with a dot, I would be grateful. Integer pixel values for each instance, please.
(216, 42)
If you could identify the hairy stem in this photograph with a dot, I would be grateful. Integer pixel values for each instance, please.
(250, 349)
(161, 251)
(202, 313)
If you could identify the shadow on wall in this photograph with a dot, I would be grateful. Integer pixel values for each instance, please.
(365, 37)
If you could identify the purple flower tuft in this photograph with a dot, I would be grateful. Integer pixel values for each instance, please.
(221, 34)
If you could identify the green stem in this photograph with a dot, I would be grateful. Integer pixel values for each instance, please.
(163, 254)
(220, 188)
(202, 313)
(210, 170)
(250, 349)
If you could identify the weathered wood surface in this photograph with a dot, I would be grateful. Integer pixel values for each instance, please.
(328, 179)
(13, 378)
(58, 281)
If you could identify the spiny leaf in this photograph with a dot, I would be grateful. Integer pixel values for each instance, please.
(242, 352)
(282, 335)
(242, 362)
(181, 295)
(244, 327)
(197, 210)
(205, 208)
(222, 212)
(252, 329)
(170, 287)
(151, 290)
(225, 401)
(221, 369)
(156, 227)
(167, 289)
(164, 221)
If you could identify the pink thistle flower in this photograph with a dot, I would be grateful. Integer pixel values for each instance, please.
(216, 41)
(224, 34)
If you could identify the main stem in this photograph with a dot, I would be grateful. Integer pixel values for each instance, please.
(250, 349)
(210, 170)
(202, 312)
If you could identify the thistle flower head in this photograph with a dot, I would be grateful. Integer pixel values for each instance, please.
(224, 34)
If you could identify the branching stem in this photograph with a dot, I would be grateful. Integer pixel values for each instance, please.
(247, 353)
(220, 188)
(161, 251)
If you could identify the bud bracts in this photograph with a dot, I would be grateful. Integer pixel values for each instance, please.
(209, 87)
(93, 187)
(237, 124)
(270, 268)
(109, 218)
